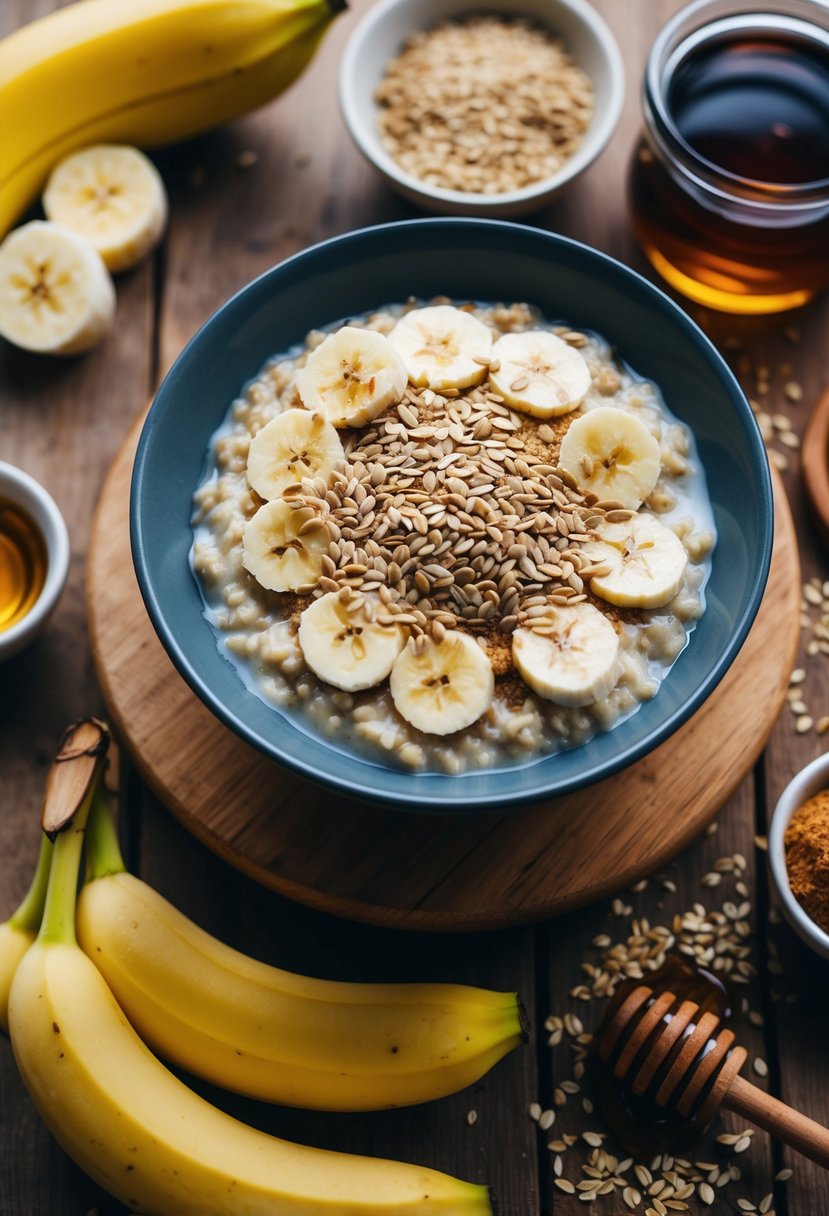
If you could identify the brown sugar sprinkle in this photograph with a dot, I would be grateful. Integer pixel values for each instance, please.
(807, 857)
(485, 105)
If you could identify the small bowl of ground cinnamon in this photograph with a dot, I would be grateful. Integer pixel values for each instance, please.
(799, 854)
(481, 107)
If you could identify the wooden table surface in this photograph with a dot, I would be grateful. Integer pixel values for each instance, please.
(63, 422)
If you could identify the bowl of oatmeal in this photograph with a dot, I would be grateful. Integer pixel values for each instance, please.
(451, 514)
(481, 107)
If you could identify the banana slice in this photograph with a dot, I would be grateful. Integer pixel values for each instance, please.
(348, 649)
(56, 296)
(612, 454)
(647, 563)
(113, 197)
(573, 661)
(443, 347)
(283, 546)
(293, 446)
(445, 687)
(539, 374)
(352, 376)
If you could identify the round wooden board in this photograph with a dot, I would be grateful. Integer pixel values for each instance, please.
(425, 871)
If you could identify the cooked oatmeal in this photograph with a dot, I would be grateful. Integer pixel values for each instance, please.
(435, 576)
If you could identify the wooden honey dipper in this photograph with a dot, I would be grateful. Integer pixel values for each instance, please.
(674, 1052)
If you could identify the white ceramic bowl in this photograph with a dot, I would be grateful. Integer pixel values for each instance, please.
(379, 37)
(809, 781)
(23, 491)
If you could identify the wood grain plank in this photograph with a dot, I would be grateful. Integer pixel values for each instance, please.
(675, 890)
(797, 990)
(61, 421)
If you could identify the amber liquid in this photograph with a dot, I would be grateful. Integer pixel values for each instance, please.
(23, 563)
(758, 108)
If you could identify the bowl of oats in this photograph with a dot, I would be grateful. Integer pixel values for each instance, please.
(451, 514)
(481, 107)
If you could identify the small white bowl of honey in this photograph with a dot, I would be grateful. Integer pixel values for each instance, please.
(34, 558)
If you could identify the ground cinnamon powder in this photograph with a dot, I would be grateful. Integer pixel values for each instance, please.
(807, 857)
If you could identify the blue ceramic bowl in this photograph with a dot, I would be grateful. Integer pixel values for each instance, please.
(472, 259)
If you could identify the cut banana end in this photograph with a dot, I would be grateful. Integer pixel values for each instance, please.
(348, 649)
(352, 376)
(445, 687)
(539, 374)
(56, 296)
(645, 563)
(574, 660)
(612, 454)
(293, 446)
(113, 197)
(443, 347)
(284, 545)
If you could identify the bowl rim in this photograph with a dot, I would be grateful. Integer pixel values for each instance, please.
(807, 782)
(470, 801)
(23, 490)
(588, 150)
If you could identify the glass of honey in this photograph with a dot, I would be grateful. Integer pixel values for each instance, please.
(34, 558)
(729, 185)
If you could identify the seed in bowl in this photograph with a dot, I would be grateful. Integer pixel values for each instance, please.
(475, 560)
(484, 105)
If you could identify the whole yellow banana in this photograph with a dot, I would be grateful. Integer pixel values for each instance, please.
(272, 1034)
(147, 1138)
(144, 72)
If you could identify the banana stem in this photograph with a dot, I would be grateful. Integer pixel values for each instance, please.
(58, 924)
(103, 854)
(30, 912)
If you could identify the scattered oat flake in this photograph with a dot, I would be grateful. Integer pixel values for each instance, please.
(471, 1117)
(783, 1175)
(564, 1185)
(761, 1067)
(534, 1111)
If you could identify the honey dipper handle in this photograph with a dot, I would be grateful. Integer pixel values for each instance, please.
(780, 1120)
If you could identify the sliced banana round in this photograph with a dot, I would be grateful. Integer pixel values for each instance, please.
(443, 347)
(283, 546)
(612, 454)
(573, 660)
(56, 296)
(646, 562)
(294, 445)
(538, 373)
(348, 649)
(113, 197)
(352, 376)
(445, 687)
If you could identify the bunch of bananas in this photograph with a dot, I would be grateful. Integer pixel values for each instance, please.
(138, 1130)
(144, 72)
